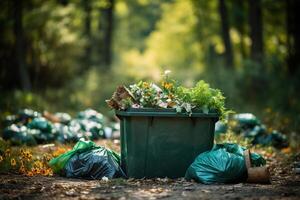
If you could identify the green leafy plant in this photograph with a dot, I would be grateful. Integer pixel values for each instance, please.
(171, 95)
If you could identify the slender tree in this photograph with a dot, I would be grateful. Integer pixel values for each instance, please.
(293, 33)
(19, 45)
(87, 31)
(239, 21)
(225, 33)
(256, 30)
(106, 28)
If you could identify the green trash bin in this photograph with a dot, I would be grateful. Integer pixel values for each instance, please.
(161, 142)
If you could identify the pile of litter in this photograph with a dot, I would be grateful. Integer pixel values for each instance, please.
(31, 127)
(249, 126)
(225, 163)
(169, 95)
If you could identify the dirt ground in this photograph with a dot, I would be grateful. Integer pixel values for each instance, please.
(22, 187)
(285, 184)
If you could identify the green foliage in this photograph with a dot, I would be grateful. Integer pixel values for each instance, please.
(203, 97)
(172, 95)
(148, 37)
(145, 94)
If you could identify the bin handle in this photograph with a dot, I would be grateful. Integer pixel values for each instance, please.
(151, 121)
(193, 121)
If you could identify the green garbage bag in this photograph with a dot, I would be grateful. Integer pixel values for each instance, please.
(57, 164)
(225, 163)
(220, 128)
(246, 120)
(18, 135)
(64, 118)
(64, 133)
(40, 123)
(91, 114)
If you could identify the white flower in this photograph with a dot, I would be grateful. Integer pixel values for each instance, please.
(163, 104)
(135, 105)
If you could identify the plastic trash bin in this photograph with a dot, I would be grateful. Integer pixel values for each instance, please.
(161, 142)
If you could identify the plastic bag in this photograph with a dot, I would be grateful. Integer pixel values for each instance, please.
(64, 118)
(247, 120)
(220, 128)
(94, 128)
(275, 139)
(91, 114)
(65, 134)
(18, 135)
(225, 163)
(40, 123)
(93, 164)
(27, 114)
(57, 164)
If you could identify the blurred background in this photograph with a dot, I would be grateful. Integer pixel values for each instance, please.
(68, 55)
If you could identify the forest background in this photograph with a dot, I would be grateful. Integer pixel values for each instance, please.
(67, 55)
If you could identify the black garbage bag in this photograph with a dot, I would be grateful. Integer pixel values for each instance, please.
(18, 135)
(245, 123)
(42, 137)
(9, 120)
(93, 164)
(255, 131)
(275, 139)
(27, 114)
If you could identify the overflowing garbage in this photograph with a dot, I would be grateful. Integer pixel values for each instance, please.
(88, 161)
(169, 95)
(249, 126)
(31, 127)
(225, 163)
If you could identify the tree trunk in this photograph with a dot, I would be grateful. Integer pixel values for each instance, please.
(87, 32)
(225, 33)
(256, 30)
(19, 45)
(239, 15)
(293, 34)
(106, 27)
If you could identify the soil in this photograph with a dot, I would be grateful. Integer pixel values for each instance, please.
(22, 187)
(285, 184)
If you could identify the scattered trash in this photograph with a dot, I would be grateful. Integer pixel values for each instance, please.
(256, 174)
(19, 135)
(225, 163)
(86, 160)
(220, 128)
(297, 167)
(104, 178)
(250, 127)
(274, 138)
(31, 127)
(169, 94)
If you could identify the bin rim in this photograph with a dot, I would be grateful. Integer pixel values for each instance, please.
(164, 112)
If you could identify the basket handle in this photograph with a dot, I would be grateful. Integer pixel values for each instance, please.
(247, 158)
